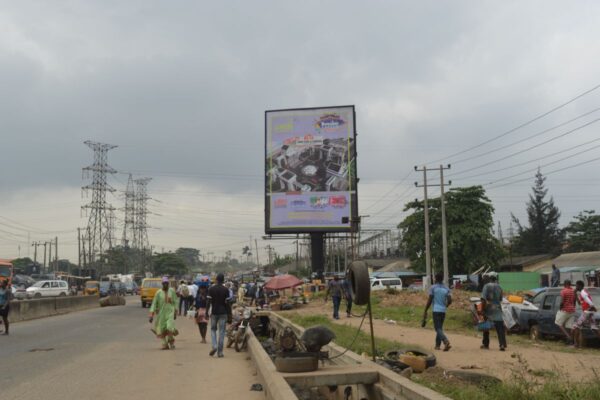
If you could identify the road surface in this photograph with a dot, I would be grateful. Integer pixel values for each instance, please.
(110, 353)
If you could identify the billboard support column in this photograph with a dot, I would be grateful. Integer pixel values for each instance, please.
(317, 254)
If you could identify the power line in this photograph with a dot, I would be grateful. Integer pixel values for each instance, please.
(534, 160)
(390, 191)
(527, 138)
(521, 125)
(528, 148)
(546, 173)
(542, 166)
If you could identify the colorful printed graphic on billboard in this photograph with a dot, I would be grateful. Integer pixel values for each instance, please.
(310, 170)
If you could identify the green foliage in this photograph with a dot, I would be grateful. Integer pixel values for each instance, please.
(542, 236)
(584, 232)
(169, 264)
(469, 217)
(190, 256)
(22, 262)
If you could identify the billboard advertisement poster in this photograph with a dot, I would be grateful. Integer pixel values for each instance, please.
(310, 170)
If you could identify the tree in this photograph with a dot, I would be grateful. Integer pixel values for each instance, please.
(471, 242)
(542, 236)
(584, 232)
(190, 256)
(169, 264)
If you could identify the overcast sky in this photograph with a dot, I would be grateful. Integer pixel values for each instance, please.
(181, 88)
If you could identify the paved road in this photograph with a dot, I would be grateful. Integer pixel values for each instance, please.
(110, 353)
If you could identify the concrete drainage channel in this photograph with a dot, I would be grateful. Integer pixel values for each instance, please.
(345, 376)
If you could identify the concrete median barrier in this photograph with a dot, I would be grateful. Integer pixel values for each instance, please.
(23, 310)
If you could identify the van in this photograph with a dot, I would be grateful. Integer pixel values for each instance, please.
(386, 283)
(47, 289)
(91, 288)
(148, 289)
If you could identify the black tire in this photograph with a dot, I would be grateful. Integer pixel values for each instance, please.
(535, 334)
(358, 273)
(430, 359)
(143, 304)
(38, 296)
(62, 294)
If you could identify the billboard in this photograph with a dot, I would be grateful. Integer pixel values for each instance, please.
(310, 170)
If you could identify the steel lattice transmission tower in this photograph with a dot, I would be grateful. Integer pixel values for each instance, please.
(140, 238)
(99, 211)
(129, 221)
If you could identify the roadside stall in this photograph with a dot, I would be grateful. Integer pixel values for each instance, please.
(279, 284)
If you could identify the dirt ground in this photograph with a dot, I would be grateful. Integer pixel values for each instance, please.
(466, 354)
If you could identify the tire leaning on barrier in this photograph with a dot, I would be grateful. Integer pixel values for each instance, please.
(358, 273)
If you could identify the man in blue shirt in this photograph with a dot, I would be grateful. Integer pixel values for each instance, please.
(439, 296)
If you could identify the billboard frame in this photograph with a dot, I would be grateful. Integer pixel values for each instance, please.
(353, 192)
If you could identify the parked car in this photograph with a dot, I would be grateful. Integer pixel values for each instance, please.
(386, 283)
(47, 289)
(540, 323)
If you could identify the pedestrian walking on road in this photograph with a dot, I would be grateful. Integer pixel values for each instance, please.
(201, 307)
(555, 280)
(491, 299)
(439, 296)
(348, 296)
(566, 315)
(164, 307)
(217, 302)
(183, 292)
(5, 295)
(335, 288)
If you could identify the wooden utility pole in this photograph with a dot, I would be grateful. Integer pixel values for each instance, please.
(55, 253)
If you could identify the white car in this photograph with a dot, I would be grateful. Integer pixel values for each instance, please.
(386, 283)
(48, 289)
(19, 292)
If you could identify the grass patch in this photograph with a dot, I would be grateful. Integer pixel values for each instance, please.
(526, 384)
(519, 388)
(456, 320)
(345, 335)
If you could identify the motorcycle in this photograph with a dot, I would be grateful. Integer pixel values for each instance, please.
(239, 337)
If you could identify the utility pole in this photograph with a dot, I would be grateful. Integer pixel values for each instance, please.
(425, 185)
(427, 280)
(44, 267)
(50, 255)
(55, 253)
(35, 244)
(256, 247)
(79, 248)
(444, 236)
(297, 241)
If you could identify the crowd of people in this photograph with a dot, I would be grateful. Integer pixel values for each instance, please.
(208, 304)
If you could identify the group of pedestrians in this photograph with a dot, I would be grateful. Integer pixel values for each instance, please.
(490, 312)
(565, 317)
(338, 290)
(211, 303)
